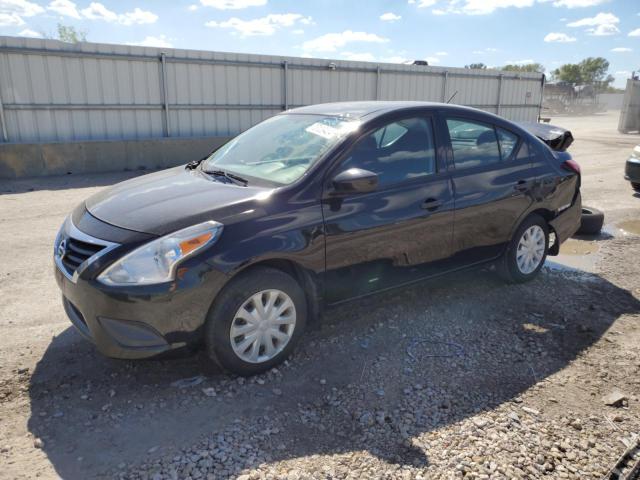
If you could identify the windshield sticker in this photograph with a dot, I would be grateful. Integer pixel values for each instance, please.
(327, 131)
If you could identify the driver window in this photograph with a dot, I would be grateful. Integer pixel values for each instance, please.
(399, 151)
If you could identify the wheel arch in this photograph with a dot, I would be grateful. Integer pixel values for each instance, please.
(309, 281)
(547, 215)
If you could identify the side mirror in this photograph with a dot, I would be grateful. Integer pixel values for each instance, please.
(355, 180)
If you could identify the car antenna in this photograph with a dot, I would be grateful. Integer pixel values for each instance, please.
(451, 97)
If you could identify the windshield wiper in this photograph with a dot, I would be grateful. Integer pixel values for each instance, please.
(232, 176)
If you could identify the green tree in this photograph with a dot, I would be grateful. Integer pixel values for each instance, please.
(590, 71)
(594, 69)
(69, 34)
(569, 72)
(477, 66)
(529, 67)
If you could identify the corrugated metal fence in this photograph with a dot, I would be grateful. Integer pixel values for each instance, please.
(53, 91)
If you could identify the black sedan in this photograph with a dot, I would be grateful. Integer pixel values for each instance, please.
(242, 250)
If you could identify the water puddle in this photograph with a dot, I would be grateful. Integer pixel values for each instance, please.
(630, 226)
(576, 256)
(578, 247)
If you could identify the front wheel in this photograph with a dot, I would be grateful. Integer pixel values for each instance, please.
(635, 186)
(256, 321)
(526, 252)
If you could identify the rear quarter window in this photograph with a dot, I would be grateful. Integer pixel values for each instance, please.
(508, 142)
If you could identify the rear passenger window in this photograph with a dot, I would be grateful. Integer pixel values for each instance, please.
(508, 142)
(399, 151)
(474, 144)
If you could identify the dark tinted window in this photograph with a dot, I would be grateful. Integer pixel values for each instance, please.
(473, 144)
(508, 142)
(399, 151)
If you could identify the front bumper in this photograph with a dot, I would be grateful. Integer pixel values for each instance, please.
(632, 170)
(139, 321)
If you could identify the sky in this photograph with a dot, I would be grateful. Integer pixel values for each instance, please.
(443, 32)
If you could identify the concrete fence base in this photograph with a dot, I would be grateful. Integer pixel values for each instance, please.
(19, 160)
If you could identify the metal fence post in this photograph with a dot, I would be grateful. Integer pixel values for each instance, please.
(285, 70)
(444, 85)
(500, 77)
(165, 94)
(3, 122)
(542, 81)
(378, 83)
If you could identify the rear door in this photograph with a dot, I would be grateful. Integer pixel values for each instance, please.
(492, 179)
(392, 235)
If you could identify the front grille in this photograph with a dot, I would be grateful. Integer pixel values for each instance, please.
(77, 252)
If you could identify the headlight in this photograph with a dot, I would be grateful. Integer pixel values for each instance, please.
(156, 261)
(635, 153)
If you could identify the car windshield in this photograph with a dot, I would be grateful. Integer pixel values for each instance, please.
(280, 149)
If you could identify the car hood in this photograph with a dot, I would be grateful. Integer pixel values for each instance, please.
(166, 201)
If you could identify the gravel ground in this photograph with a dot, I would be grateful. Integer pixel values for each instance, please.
(458, 377)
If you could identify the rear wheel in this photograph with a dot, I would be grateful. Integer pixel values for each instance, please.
(526, 252)
(256, 321)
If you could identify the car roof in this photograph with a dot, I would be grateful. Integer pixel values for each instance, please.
(359, 110)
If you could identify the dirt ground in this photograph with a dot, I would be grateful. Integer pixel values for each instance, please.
(459, 377)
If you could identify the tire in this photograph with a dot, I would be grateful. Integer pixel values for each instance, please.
(259, 284)
(591, 221)
(509, 267)
(635, 186)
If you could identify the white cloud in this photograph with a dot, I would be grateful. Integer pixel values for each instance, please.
(527, 61)
(150, 41)
(10, 20)
(193, 7)
(21, 8)
(330, 42)
(423, 3)
(394, 59)
(442, 54)
(66, 8)
(485, 7)
(261, 26)
(621, 49)
(576, 3)
(600, 25)
(635, 33)
(360, 57)
(30, 33)
(137, 17)
(558, 38)
(297, 31)
(390, 17)
(232, 4)
(432, 60)
(477, 7)
(97, 11)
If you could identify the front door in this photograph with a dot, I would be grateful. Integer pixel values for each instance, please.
(397, 233)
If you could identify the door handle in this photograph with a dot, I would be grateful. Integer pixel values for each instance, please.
(521, 186)
(431, 204)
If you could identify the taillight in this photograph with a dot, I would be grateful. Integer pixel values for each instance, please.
(571, 165)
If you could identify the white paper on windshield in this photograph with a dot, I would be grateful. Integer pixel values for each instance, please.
(327, 131)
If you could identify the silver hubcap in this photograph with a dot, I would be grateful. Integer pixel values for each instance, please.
(263, 326)
(530, 249)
